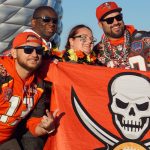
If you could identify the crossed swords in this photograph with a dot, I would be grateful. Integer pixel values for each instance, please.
(93, 127)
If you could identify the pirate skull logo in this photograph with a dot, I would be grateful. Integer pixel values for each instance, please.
(130, 104)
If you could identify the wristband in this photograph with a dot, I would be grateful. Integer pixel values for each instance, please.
(51, 131)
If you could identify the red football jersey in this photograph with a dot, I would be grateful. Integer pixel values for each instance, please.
(17, 98)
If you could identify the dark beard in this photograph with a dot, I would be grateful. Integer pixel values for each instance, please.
(28, 68)
(114, 35)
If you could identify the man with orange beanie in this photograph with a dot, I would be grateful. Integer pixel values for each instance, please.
(121, 46)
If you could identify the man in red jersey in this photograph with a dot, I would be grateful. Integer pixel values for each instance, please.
(121, 46)
(22, 91)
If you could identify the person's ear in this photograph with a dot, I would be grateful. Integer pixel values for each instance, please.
(100, 24)
(33, 23)
(71, 42)
(14, 53)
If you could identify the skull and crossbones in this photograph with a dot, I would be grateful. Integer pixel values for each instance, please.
(130, 105)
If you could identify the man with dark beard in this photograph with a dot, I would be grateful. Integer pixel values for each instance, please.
(121, 46)
(22, 92)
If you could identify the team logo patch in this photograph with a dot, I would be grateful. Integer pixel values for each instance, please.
(106, 6)
(31, 90)
(3, 71)
(137, 46)
(7, 94)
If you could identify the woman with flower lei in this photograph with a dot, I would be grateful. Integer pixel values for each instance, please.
(79, 46)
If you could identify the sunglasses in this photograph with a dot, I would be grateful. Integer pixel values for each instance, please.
(48, 19)
(84, 38)
(30, 49)
(111, 19)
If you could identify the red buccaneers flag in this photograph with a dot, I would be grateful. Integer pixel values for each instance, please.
(100, 108)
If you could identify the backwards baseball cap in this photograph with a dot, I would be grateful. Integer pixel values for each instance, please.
(106, 8)
(23, 38)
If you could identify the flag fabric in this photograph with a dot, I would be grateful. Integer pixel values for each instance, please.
(99, 108)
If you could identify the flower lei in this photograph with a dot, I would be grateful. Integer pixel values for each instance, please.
(79, 57)
(54, 53)
(119, 54)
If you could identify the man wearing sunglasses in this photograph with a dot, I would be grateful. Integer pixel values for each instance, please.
(121, 46)
(22, 92)
(44, 23)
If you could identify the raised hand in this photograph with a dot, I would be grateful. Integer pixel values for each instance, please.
(48, 121)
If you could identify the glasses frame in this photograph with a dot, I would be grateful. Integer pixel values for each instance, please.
(84, 38)
(29, 49)
(110, 20)
(47, 19)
